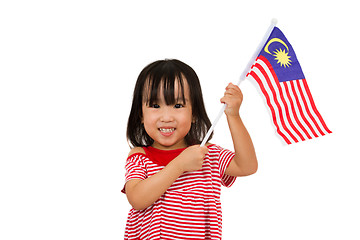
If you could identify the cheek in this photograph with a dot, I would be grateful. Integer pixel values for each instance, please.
(147, 119)
(187, 119)
(149, 127)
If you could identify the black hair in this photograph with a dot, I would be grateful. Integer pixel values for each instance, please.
(167, 72)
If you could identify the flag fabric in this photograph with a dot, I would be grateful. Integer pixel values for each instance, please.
(281, 80)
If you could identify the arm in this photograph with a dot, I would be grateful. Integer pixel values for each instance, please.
(244, 162)
(142, 193)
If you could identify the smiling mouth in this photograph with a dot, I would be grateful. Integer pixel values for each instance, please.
(167, 130)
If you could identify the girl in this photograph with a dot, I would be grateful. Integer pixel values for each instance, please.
(172, 183)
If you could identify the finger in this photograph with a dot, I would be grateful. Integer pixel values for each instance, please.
(223, 99)
(234, 90)
(230, 85)
(232, 93)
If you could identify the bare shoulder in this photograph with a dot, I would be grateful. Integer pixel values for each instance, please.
(136, 150)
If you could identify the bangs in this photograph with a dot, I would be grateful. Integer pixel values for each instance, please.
(171, 86)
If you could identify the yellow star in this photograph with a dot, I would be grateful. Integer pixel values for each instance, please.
(282, 57)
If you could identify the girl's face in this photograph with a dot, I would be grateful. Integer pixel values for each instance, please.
(168, 125)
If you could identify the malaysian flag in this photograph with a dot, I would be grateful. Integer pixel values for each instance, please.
(281, 80)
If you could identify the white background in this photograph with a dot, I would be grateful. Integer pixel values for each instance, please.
(67, 72)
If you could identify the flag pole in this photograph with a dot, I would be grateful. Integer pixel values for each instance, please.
(242, 77)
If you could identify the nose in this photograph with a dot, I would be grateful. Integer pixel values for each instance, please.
(167, 114)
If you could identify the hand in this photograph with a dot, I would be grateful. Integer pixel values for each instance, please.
(192, 158)
(233, 98)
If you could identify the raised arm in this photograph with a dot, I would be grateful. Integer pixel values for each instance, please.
(244, 162)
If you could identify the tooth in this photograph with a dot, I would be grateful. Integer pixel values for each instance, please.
(167, 130)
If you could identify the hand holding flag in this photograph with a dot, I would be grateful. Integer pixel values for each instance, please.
(232, 98)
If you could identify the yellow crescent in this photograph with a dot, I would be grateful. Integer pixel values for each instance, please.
(266, 49)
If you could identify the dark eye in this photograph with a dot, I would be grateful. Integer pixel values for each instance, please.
(154, 105)
(178, 105)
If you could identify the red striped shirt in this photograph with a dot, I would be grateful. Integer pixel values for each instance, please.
(190, 208)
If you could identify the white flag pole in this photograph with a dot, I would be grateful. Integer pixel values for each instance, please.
(242, 77)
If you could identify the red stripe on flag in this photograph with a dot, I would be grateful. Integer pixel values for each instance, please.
(314, 107)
